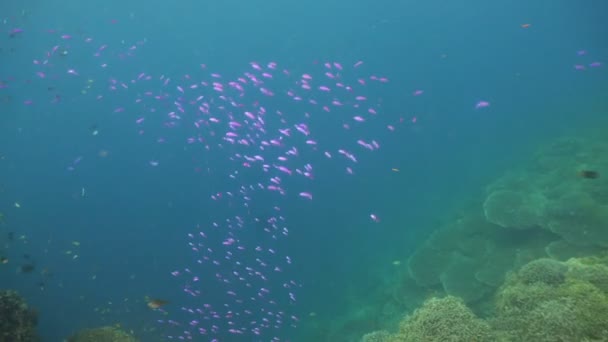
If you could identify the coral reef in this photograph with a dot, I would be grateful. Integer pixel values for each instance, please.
(377, 336)
(550, 321)
(470, 257)
(103, 334)
(563, 250)
(544, 270)
(511, 209)
(543, 210)
(593, 273)
(545, 301)
(17, 321)
(549, 194)
(528, 262)
(558, 305)
(445, 319)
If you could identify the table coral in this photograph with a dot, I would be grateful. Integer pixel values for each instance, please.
(512, 209)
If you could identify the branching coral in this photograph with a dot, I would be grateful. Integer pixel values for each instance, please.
(593, 273)
(103, 334)
(544, 270)
(544, 303)
(377, 336)
(551, 321)
(445, 319)
(17, 321)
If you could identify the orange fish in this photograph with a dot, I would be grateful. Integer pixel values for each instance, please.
(156, 303)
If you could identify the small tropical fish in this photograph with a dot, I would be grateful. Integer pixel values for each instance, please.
(14, 32)
(590, 174)
(482, 104)
(94, 129)
(156, 303)
(26, 268)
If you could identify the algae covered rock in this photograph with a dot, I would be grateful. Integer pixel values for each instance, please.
(17, 321)
(443, 320)
(103, 334)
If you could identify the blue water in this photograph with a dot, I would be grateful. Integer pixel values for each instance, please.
(133, 220)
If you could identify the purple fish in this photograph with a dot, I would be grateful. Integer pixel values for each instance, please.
(12, 33)
(482, 104)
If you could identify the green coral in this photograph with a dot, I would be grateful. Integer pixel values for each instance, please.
(593, 273)
(549, 194)
(591, 308)
(554, 306)
(551, 321)
(533, 220)
(563, 250)
(578, 218)
(103, 334)
(445, 319)
(469, 258)
(512, 209)
(458, 279)
(544, 270)
(377, 336)
(517, 297)
(17, 321)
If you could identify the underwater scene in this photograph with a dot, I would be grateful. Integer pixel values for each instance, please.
(362, 171)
